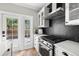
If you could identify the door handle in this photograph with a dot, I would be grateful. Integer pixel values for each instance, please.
(3, 32)
(64, 53)
(3, 35)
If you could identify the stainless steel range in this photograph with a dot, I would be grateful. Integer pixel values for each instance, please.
(46, 45)
(45, 48)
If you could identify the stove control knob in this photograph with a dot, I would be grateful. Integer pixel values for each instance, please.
(50, 46)
(47, 44)
(42, 41)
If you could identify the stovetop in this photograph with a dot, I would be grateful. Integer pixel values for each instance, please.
(53, 39)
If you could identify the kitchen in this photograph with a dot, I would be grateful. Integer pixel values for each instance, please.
(62, 28)
(54, 32)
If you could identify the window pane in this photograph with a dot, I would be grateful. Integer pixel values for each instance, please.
(9, 28)
(12, 28)
(15, 28)
(27, 33)
(27, 28)
(27, 24)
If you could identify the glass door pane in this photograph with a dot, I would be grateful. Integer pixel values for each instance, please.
(15, 28)
(27, 28)
(28, 32)
(9, 28)
(12, 28)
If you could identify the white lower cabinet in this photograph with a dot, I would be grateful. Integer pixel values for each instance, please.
(67, 48)
(61, 52)
(36, 44)
(36, 41)
(58, 52)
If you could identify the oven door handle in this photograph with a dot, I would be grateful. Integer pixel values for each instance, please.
(45, 47)
(50, 49)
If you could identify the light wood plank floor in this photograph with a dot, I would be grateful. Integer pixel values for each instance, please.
(27, 52)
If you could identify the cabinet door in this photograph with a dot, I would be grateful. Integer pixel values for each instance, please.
(41, 15)
(41, 18)
(36, 44)
(62, 52)
(72, 13)
(58, 52)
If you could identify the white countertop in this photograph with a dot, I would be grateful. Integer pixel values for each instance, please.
(38, 35)
(69, 46)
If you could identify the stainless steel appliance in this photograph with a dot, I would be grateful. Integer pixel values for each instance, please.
(45, 48)
(46, 45)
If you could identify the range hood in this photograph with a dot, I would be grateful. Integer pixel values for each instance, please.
(56, 13)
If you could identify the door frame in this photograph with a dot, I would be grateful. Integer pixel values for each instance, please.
(21, 19)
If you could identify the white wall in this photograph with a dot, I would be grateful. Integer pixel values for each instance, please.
(21, 10)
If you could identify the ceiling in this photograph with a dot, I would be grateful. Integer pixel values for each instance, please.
(33, 6)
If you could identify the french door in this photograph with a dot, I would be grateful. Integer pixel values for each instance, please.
(17, 33)
(10, 32)
(28, 32)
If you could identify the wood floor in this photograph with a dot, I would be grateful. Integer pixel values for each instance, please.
(27, 52)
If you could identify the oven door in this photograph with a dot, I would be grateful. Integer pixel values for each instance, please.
(44, 50)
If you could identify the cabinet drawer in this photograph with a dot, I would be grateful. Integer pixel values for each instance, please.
(61, 52)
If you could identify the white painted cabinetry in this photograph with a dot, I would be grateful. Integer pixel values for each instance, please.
(41, 16)
(72, 14)
(67, 48)
(50, 11)
(36, 41)
(60, 52)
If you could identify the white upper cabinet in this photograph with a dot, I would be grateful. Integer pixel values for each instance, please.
(72, 14)
(41, 16)
(55, 10)
(50, 11)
